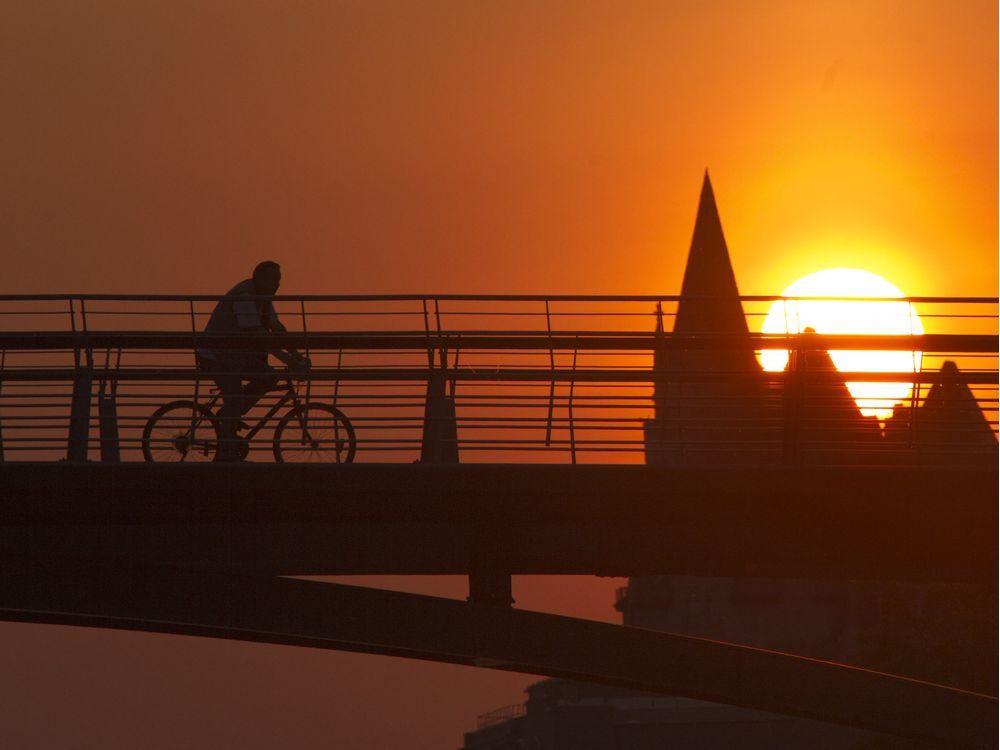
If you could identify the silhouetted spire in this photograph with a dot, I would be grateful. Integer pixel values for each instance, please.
(718, 419)
(709, 273)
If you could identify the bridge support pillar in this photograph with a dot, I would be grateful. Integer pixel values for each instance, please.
(489, 578)
(107, 412)
(79, 416)
(440, 437)
(490, 586)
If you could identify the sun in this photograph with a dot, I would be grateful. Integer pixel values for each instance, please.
(850, 316)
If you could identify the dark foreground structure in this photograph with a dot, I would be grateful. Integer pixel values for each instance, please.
(800, 575)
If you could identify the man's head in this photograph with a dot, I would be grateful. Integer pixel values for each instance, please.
(267, 277)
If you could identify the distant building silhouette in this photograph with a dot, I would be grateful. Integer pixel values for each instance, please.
(826, 426)
(712, 405)
(948, 429)
(716, 407)
(567, 715)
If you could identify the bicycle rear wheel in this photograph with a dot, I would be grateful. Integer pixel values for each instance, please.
(314, 433)
(180, 432)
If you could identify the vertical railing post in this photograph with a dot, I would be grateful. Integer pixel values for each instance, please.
(305, 332)
(336, 383)
(655, 429)
(792, 397)
(83, 378)
(439, 444)
(569, 409)
(107, 410)
(3, 362)
(194, 348)
(552, 381)
(913, 437)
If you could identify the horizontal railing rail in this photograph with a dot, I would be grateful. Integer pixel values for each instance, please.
(515, 374)
(565, 340)
(480, 298)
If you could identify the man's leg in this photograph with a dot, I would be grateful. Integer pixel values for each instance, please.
(262, 378)
(225, 371)
(238, 399)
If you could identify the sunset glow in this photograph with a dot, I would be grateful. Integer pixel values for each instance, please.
(527, 254)
(850, 316)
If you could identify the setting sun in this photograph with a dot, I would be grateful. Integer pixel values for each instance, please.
(850, 316)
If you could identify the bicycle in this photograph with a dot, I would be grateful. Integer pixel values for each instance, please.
(188, 432)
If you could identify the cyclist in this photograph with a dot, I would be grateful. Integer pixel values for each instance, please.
(246, 308)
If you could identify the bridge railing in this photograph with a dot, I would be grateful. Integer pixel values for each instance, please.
(511, 378)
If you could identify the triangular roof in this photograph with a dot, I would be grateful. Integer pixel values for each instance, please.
(827, 412)
(709, 274)
(951, 414)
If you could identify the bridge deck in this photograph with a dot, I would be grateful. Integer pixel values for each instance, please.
(904, 523)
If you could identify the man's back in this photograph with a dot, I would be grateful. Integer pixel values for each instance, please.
(239, 311)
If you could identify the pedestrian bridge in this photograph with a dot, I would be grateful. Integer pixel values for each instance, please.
(487, 437)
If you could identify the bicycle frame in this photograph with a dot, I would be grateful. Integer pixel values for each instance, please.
(288, 394)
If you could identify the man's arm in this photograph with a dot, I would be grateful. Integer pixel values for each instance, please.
(250, 318)
(291, 357)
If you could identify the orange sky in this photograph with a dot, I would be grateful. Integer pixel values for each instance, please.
(167, 146)
(422, 147)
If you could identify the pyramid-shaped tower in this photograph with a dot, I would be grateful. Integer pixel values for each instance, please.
(718, 417)
(711, 297)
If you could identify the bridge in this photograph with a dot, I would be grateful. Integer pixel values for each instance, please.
(492, 436)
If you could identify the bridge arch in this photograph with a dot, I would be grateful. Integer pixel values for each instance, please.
(323, 615)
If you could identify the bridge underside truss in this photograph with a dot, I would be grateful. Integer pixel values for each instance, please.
(323, 615)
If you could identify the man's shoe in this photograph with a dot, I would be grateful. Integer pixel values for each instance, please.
(232, 450)
(242, 449)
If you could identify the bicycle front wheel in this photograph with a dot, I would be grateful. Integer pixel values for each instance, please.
(314, 433)
(180, 432)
